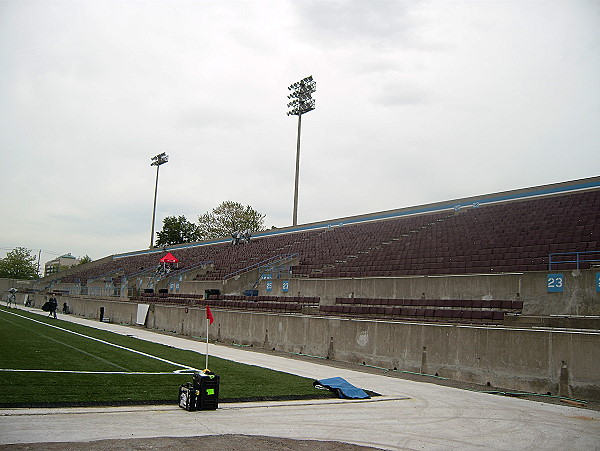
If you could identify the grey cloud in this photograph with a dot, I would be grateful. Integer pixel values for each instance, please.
(371, 21)
(402, 94)
(199, 117)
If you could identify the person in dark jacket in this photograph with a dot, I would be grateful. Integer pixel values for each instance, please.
(53, 306)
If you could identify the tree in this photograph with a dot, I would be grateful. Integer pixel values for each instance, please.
(19, 264)
(176, 230)
(85, 259)
(228, 218)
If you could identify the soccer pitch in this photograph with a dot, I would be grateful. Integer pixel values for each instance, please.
(48, 361)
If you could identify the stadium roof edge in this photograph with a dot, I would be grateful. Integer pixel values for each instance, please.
(455, 204)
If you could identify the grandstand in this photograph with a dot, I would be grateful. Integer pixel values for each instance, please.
(510, 236)
(539, 229)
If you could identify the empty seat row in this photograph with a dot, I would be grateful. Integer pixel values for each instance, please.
(488, 316)
(508, 305)
(285, 307)
(307, 300)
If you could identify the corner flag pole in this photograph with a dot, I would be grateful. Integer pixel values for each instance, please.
(209, 321)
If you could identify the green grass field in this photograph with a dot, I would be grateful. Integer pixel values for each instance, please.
(68, 363)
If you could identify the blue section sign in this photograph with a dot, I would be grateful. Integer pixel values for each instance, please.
(598, 282)
(556, 283)
(285, 286)
(269, 285)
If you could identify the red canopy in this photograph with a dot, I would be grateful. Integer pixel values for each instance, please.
(169, 258)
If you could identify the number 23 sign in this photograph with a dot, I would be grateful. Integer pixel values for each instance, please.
(556, 283)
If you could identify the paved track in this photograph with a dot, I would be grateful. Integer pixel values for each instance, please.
(409, 415)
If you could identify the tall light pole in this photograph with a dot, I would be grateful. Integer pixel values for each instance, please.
(156, 161)
(302, 103)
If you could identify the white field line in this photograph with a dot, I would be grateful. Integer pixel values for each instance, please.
(182, 368)
(92, 372)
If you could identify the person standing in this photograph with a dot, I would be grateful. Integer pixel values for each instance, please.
(12, 299)
(53, 306)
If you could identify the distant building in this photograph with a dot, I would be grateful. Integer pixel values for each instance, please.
(54, 266)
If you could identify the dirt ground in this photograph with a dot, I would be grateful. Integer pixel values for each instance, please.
(217, 442)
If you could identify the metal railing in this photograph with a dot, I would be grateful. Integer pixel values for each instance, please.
(107, 274)
(577, 258)
(182, 271)
(274, 270)
(278, 259)
(98, 291)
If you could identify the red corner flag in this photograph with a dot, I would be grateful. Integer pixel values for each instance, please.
(209, 315)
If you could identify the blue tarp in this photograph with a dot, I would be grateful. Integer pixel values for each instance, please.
(342, 388)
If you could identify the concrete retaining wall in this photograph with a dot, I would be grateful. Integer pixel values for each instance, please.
(516, 359)
(114, 311)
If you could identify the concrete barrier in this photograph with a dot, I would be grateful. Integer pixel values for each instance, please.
(117, 311)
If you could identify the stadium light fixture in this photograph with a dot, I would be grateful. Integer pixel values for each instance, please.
(156, 161)
(302, 102)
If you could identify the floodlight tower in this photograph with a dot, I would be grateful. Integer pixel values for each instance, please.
(302, 103)
(156, 161)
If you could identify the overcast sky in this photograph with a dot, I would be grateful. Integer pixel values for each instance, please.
(416, 102)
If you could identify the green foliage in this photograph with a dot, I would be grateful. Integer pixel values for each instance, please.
(85, 259)
(228, 218)
(19, 264)
(176, 230)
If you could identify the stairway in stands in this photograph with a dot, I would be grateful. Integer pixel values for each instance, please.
(364, 254)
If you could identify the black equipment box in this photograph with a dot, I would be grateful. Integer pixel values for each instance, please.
(201, 394)
(207, 384)
(188, 397)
